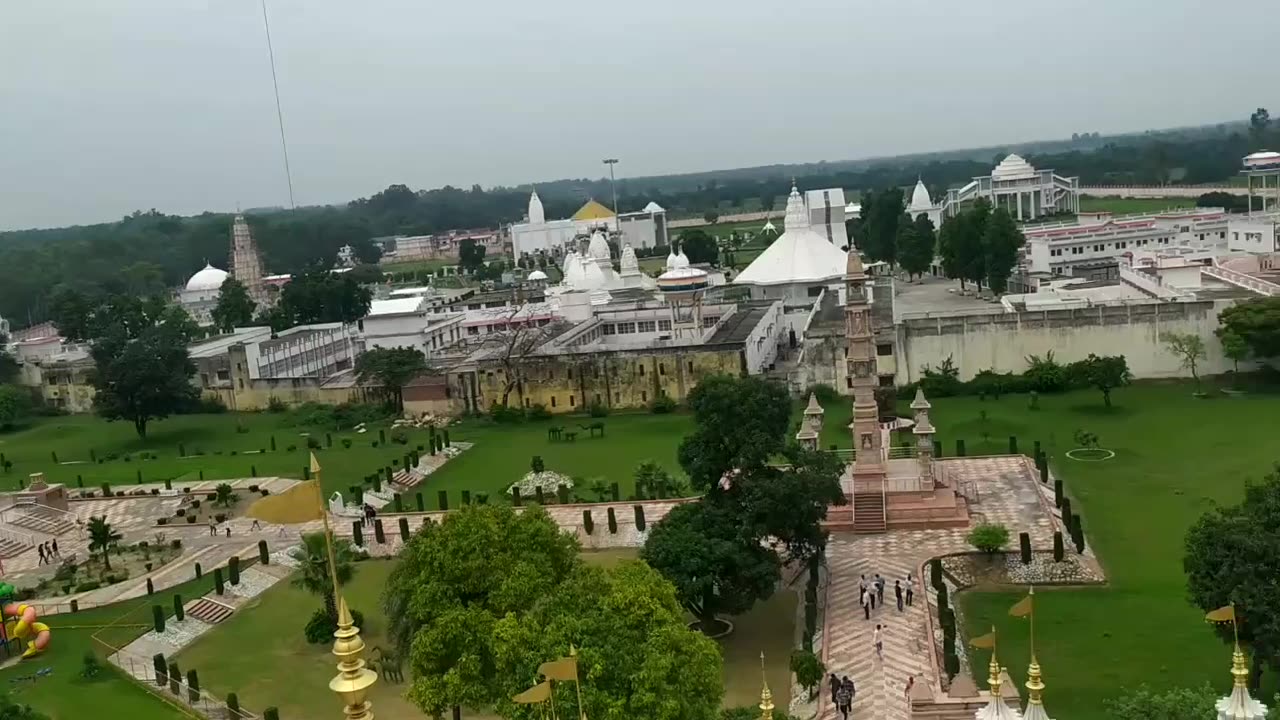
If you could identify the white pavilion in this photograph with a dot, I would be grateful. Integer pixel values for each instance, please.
(1017, 186)
(799, 264)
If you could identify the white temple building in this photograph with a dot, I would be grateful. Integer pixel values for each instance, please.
(645, 228)
(592, 269)
(799, 264)
(200, 295)
(922, 204)
(1027, 193)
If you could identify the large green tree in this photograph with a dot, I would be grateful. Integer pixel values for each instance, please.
(391, 369)
(636, 657)
(316, 295)
(699, 246)
(15, 405)
(235, 308)
(960, 244)
(740, 423)
(1257, 323)
(881, 216)
(785, 506)
(471, 255)
(1001, 241)
(451, 585)
(717, 564)
(1233, 556)
(917, 245)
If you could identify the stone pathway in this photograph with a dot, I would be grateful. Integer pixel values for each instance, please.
(1008, 495)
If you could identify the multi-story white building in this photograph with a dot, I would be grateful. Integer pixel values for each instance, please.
(1027, 193)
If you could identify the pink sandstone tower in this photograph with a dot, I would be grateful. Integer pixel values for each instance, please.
(246, 264)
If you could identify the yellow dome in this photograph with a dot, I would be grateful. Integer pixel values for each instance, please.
(593, 211)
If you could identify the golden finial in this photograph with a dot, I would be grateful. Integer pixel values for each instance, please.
(1035, 686)
(1239, 667)
(993, 668)
(354, 680)
(766, 697)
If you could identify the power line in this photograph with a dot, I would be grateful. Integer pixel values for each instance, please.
(284, 146)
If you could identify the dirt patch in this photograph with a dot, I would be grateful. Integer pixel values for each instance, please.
(295, 505)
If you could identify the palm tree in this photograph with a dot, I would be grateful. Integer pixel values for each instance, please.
(223, 495)
(102, 537)
(314, 568)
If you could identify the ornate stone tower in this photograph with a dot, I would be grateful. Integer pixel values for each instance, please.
(861, 361)
(923, 431)
(811, 426)
(246, 264)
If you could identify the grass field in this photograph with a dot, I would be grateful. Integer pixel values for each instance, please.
(1175, 457)
(63, 695)
(415, 265)
(1129, 206)
(501, 455)
(287, 672)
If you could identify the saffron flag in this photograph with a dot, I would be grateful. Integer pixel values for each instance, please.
(1222, 614)
(315, 464)
(987, 641)
(1022, 608)
(536, 694)
(565, 668)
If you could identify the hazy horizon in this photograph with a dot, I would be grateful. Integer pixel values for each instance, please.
(149, 103)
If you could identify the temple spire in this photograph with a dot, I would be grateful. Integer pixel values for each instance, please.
(766, 697)
(1239, 705)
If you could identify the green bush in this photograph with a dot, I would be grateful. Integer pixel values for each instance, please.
(233, 704)
(217, 581)
(587, 523)
(935, 573)
(319, 629)
(808, 669)
(378, 534)
(1024, 547)
(598, 410)
(662, 404)
(613, 521)
(404, 529)
(1057, 546)
(1077, 534)
(193, 686)
(271, 714)
(422, 505)
(157, 618)
(264, 555)
(175, 678)
(503, 414)
(1057, 493)
(357, 533)
(640, 524)
(538, 411)
(161, 669)
(233, 569)
(989, 538)
(179, 613)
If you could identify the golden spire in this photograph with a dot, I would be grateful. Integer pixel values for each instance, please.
(1034, 685)
(766, 697)
(353, 680)
(993, 668)
(1239, 667)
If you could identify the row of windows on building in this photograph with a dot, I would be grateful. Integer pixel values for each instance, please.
(595, 371)
(1122, 245)
(500, 327)
(648, 326)
(617, 399)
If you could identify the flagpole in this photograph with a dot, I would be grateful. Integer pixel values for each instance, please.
(1031, 595)
(328, 538)
(551, 698)
(573, 653)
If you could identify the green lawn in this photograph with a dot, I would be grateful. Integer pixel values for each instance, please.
(1129, 206)
(286, 672)
(501, 455)
(63, 695)
(1176, 457)
(72, 437)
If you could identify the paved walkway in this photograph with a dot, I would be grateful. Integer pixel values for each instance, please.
(1007, 486)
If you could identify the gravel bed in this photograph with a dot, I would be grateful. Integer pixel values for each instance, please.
(178, 635)
(252, 583)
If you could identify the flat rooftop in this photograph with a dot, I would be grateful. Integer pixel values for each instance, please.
(937, 295)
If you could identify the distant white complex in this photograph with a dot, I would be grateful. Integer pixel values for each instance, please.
(592, 269)
(1027, 193)
(644, 229)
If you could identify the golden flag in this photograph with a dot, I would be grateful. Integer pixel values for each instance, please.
(985, 641)
(1222, 614)
(565, 668)
(536, 694)
(1022, 608)
(315, 464)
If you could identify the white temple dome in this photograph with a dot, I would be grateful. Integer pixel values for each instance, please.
(629, 261)
(208, 278)
(920, 199)
(598, 249)
(1013, 167)
(681, 260)
(799, 255)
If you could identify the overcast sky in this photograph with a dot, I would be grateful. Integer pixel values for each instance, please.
(107, 106)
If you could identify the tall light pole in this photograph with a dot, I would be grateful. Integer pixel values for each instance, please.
(613, 183)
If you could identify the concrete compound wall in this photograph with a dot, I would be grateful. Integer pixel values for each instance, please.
(1002, 342)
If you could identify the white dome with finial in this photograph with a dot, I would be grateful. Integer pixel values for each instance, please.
(629, 261)
(920, 200)
(598, 248)
(208, 278)
(799, 255)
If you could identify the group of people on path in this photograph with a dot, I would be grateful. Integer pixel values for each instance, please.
(872, 593)
(48, 551)
(842, 693)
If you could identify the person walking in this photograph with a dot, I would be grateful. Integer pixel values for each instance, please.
(897, 591)
(844, 697)
(213, 528)
(53, 545)
(866, 604)
(834, 681)
(258, 526)
(40, 550)
(911, 585)
(906, 692)
(879, 641)
(880, 589)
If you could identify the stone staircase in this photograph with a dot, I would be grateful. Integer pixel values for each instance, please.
(41, 519)
(403, 480)
(868, 513)
(208, 611)
(12, 548)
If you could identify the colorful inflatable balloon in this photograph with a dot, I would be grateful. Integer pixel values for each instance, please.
(20, 623)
